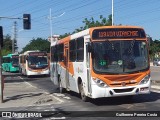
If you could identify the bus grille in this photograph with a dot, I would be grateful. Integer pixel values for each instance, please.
(120, 84)
(123, 90)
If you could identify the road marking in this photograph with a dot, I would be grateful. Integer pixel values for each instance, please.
(46, 110)
(155, 90)
(155, 87)
(52, 95)
(130, 106)
(127, 106)
(66, 97)
(59, 94)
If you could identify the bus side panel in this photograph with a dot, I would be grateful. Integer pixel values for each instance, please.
(14, 69)
(8, 67)
(59, 71)
(79, 73)
(23, 67)
(73, 78)
(61, 74)
(53, 73)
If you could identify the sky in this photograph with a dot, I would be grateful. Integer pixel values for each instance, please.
(67, 15)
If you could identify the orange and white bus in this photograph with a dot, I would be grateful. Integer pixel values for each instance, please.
(34, 63)
(105, 61)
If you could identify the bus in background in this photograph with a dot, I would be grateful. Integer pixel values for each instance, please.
(34, 63)
(106, 61)
(10, 63)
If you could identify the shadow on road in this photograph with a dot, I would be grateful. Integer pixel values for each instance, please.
(17, 78)
(13, 80)
(153, 96)
(16, 97)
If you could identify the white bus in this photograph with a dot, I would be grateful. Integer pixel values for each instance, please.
(103, 61)
(34, 63)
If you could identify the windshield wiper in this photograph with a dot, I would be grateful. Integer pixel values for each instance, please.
(131, 47)
(129, 56)
(112, 45)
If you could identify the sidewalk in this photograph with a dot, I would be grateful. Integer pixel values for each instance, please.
(155, 84)
(22, 94)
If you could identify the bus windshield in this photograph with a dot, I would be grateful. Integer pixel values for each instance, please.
(15, 60)
(120, 57)
(37, 61)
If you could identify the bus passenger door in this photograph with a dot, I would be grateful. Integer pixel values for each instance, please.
(87, 59)
(66, 62)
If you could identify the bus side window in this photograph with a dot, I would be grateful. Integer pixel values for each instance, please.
(60, 52)
(72, 51)
(80, 49)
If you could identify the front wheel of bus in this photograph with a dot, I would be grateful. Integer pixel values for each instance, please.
(83, 96)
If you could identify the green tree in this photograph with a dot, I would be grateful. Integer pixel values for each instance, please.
(103, 22)
(37, 44)
(88, 23)
(95, 23)
(65, 35)
(154, 48)
(7, 45)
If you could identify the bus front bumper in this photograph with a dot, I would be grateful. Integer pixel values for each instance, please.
(98, 92)
(42, 72)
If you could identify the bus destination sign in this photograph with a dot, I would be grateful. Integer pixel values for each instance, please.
(112, 33)
(15, 56)
(37, 54)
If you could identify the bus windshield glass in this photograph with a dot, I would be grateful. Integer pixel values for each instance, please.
(15, 60)
(37, 61)
(120, 57)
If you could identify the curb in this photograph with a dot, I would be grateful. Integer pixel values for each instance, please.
(155, 84)
(155, 87)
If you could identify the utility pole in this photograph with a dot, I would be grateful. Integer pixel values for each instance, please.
(14, 41)
(112, 13)
(50, 19)
(1, 77)
(26, 25)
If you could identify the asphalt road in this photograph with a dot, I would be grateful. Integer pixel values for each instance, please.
(72, 101)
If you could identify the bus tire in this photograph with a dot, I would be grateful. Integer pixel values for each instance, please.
(82, 93)
(60, 88)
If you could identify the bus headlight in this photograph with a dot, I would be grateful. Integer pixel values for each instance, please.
(145, 80)
(100, 83)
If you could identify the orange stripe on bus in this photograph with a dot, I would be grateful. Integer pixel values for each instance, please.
(64, 40)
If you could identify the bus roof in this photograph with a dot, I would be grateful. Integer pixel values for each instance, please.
(27, 52)
(12, 54)
(89, 31)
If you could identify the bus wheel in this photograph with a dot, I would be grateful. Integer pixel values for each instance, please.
(83, 96)
(61, 89)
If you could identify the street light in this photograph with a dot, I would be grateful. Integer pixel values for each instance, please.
(50, 18)
(112, 13)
